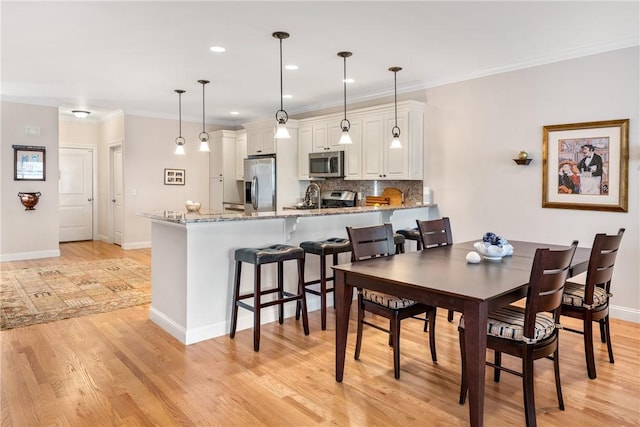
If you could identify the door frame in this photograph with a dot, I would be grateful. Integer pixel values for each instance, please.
(94, 184)
(110, 191)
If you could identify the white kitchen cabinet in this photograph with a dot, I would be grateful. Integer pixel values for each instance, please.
(241, 154)
(305, 143)
(325, 137)
(216, 194)
(261, 141)
(353, 151)
(215, 155)
(223, 165)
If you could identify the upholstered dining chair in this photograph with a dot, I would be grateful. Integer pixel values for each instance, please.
(529, 332)
(376, 241)
(590, 302)
(434, 233)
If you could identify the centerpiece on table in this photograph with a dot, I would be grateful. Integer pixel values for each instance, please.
(493, 247)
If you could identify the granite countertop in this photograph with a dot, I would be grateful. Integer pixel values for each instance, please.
(183, 217)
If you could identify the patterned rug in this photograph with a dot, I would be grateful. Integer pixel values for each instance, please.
(43, 294)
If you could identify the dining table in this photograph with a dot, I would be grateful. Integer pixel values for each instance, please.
(442, 277)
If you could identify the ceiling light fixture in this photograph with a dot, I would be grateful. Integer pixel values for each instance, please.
(281, 116)
(204, 136)
(80, 114)
(345, 124)
(395, 142)
(180, 140)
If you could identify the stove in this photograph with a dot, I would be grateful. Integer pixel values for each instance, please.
(338, 199)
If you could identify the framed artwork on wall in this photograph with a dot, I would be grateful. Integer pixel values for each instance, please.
(586, 166)
(29, 163)
(174, 176)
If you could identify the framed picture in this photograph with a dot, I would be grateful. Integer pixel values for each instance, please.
(174, 177)
(29, 163)
(586, 166)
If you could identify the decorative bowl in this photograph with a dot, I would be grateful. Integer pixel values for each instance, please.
(29, 200)
(493, 252)
(192, 206)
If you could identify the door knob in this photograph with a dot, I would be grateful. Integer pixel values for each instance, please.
(90, 199)
(113, 200)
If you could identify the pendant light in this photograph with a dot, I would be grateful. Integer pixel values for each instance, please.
(204, 136)
(395, 142)
(180, 140)
(345, 125)
(281, 116)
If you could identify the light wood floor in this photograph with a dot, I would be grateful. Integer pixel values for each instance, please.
(120, 369)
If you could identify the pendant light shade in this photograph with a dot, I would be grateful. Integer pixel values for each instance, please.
(345, 125)
(395, 132)
(204, 136)
(281, 116)
(180, 140)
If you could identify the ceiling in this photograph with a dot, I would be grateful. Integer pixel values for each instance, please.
(131, 56)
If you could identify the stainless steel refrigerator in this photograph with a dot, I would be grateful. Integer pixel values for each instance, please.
(260, 184)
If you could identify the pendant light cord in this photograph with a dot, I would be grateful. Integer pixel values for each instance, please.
(344, 82)
(203, 107)
(395, 95)
(281, 103)
(180, 115)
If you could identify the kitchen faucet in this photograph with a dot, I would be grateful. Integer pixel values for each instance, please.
(312, 195)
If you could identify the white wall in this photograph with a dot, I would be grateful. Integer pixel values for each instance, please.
(111, 134)
(28, 234)
(474, 128)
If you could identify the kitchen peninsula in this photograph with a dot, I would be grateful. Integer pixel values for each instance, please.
(192, 260)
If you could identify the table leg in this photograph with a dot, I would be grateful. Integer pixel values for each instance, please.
(475, 336)
(343, 295)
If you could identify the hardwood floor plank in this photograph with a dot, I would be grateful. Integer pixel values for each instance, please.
(120, 369)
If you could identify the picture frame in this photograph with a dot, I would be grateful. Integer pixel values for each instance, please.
(586, 166)
(174, 176)
(29, 163)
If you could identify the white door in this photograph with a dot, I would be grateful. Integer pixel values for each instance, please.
(76, 194)
(117, 194)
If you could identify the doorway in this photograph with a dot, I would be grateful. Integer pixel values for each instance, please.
(76, 189)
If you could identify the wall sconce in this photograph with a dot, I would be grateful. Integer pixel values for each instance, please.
(523, 158)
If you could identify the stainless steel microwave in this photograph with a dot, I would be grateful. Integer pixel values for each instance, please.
(329, 164)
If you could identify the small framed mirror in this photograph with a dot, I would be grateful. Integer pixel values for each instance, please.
(29, 163)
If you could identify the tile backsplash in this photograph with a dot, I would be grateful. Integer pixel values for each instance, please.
(412, 189)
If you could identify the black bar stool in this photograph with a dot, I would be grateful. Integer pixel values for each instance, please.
(258, 257)
(398, 241)
(331, 246)
(412, 234)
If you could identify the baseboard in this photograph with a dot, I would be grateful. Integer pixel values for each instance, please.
(30, 255)
(137, 245)
(171, 327)
(624, 313)
(103, 238)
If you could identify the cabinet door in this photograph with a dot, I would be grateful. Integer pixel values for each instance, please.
(396, 160)
(372, 148)
(215, 156)
(353, 152)
(333, 142)
(216, 194)
(305, 143)
(268, 141)
(320, 138)
(241, 154)
(261, 141)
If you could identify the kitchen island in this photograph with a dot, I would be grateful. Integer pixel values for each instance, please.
(192, 260)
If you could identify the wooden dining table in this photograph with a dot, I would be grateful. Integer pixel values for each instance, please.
(443, 278)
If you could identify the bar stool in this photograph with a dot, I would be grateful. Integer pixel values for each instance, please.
(398, 241)
(331, 246)
(412, 234)
(266, 255)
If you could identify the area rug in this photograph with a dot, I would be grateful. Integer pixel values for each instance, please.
(43, 294)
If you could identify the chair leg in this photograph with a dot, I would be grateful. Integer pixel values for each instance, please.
(335, 262)
(418, 245)
(256, 307)
(463, 381)
(236, 297)
(280, 292)
(527, 388)
(298, 304)
(432, 334)
(450, 316)
(303, 295)
(556, 371)
(588, 347)
(497, 360)
(323, 292)
(607, 330)
(359, 329)
(395, 338)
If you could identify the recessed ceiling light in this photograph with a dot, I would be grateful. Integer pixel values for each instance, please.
(234, 113)
(291, 67)
(217, 49)
(349, 80)
(287, 96)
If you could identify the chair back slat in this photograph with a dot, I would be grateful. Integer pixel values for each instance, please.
(601, 262)
(548, 276)
(435, 232)
(371, 242)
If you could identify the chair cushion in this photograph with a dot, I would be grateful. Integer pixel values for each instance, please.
(410, 234)
(398, 239)
(574, 295)
(508, 322)
(332, 245)
(385, 300)
(273, 253)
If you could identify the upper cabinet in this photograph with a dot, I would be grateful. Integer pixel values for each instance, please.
(241, 153)
(260, 138)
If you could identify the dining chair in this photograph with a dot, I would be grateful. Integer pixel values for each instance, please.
(377, 241)
(529, 332)
(590, 302)
(434, 233)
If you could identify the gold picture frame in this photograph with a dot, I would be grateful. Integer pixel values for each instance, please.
(586, 166)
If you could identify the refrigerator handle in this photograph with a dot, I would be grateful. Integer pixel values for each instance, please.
(254, 192)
